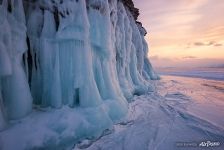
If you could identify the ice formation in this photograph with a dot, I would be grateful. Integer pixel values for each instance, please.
(89, 56)
(17, 100)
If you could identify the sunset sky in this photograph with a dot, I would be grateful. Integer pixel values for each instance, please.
(184, 32)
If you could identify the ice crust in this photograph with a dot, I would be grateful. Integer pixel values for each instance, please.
(68, 69)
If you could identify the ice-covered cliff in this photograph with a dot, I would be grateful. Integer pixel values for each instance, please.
(69, 67)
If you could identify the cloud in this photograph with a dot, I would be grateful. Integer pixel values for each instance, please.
(182, 28)
(189, 57)
(155, 57)
(211, 43)
(199, 44)
(217, 45)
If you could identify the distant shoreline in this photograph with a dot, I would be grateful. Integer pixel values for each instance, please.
(191, 76)
(202, 73)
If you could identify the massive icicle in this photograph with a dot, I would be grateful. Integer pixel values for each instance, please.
(16, 94)
(148, 71)
(75, 57)
(100, 38)
(123, 37)
(5, 63)
(85, 58)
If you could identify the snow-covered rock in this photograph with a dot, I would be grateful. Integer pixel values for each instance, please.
(84, 59)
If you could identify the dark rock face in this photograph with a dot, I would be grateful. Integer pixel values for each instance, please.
(141, 28)
(130, 5)
(135, 13)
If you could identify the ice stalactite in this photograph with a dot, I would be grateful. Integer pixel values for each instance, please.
(78, 84)
(148, 71)
(49, 63)
(44, 49)
(34, 28)
(61, 55)
(137, 41)
(16, 92)
(5, 63)
(132, 72)
(123, 42)
(113, 25)
(103, 64)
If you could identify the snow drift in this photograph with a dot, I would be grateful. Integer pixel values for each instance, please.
(68, 69)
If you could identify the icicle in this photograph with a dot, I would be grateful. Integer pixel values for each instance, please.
(56, 95)
(34, 25)
(123, 52)
(49, 63)
(77, 84)
(16, 93)
(5, 62)
(148, 71)
(100, 38)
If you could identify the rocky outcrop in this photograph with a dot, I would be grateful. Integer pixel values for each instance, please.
(130, 5)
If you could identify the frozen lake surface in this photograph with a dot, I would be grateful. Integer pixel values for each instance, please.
(183, 112)
(213, 73)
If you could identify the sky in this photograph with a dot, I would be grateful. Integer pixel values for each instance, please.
(184, 32)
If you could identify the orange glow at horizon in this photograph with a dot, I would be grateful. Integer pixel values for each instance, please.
(183, 30)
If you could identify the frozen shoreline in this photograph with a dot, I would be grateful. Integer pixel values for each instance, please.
(181, 110)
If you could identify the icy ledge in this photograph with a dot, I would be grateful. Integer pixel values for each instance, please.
(68, 69)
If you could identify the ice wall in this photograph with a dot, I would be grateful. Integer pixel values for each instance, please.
(89, 56)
